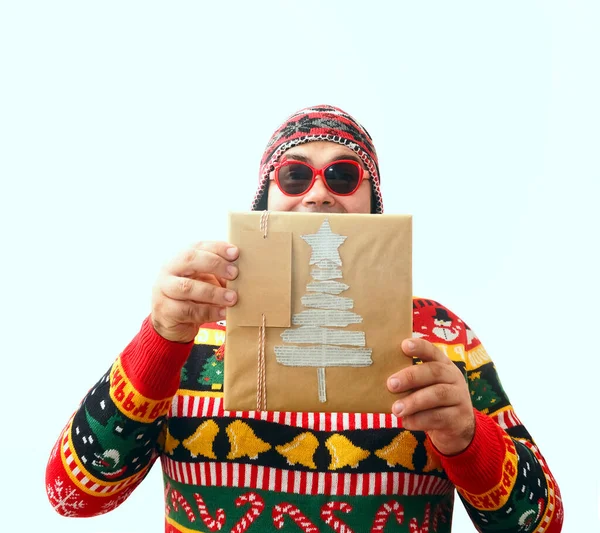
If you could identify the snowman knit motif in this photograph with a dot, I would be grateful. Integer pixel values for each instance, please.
(267, 471)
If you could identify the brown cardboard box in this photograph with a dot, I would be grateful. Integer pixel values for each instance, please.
(334, 292)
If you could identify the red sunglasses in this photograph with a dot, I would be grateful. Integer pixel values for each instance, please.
(342, 177)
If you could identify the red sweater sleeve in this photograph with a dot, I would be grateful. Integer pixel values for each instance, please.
(481, 465)
(502, 478)
(110, 442)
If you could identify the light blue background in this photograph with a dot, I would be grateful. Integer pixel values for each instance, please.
(129, 129)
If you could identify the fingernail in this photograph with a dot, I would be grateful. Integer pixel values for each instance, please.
(394, 384)
(223, 313)
(411, 346)
(230, 296)
(398, 408)
(232, 271)
(231, 252)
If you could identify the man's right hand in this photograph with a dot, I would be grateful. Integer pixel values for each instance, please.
(190, 290)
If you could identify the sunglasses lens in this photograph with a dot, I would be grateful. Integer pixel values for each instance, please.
(295, 178)
(342, 178)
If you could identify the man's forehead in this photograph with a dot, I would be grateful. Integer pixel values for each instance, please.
(320, 149)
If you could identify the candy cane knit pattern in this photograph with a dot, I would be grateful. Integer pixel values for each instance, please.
(213, 524)
(390, 508)
(333, 521)
(295, 514)
(257, 505)
(261, 471)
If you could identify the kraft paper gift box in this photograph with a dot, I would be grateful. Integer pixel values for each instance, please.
(324, 301)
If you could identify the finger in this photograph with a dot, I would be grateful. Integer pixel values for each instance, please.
(433, 397)
(423, 349)
(216, 313)
(433, 419)
(186, 312)
(199, 292)
(419, 376)
(223, 249)
(199, 262)
(212, 279)
(222, 281)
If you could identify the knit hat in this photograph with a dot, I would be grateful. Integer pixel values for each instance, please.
(319, 123)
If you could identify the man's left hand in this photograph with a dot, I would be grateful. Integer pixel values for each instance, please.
(438, 402)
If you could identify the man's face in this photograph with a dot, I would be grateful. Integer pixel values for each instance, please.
(318, 199)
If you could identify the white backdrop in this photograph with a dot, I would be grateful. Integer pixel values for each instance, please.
(129, 129)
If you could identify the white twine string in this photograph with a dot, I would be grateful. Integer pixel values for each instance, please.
(261, 375)
(264, 219)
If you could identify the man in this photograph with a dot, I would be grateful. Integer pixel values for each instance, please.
(455, 429)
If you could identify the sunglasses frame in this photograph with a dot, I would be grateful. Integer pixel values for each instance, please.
(318, 172)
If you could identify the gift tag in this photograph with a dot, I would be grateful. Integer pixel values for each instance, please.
(265, 266)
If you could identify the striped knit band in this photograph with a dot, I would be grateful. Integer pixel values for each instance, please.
(319, 123)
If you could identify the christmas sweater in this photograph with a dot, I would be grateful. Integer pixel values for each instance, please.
(311, 472)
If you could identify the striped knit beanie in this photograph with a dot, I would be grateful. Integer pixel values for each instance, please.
(319, 123)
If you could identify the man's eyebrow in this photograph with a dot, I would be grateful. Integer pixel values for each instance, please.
(352, 157)
(297, 157)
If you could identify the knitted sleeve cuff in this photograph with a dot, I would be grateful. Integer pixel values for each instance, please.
(479, 467)
(153, 364)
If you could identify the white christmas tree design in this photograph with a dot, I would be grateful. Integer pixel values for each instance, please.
(325, 310)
